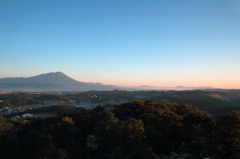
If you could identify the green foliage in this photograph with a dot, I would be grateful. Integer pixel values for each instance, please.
(14, 120)
(235, 152)
(229, 128)
(223, 110)
(139, 129)
(9, 147)
(119, 137)
(68, 121)
(22, 99)
(5, 125)
(59, 110)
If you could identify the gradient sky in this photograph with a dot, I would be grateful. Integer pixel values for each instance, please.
(123, 42)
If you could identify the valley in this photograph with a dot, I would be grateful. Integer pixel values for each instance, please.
(211, 101)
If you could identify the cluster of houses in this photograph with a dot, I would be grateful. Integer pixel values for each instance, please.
(94, 96)
(17, 109)
(5, 92)
(88, 104)
(48, 103)
(28, 115)
(71, 101)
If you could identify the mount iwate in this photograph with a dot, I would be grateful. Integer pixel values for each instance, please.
(50, 82)
(58, 81)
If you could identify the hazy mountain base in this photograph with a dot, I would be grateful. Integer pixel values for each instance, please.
(140, 129)
(30, 87)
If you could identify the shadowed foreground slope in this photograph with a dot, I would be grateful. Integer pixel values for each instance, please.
(136, 130)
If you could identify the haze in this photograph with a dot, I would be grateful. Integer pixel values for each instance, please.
(125, 43)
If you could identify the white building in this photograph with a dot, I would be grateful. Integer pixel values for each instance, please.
(27, 115)
(17, 116)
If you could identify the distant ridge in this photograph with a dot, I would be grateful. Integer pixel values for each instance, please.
(54, 80)
(58, 81)
(146, 87)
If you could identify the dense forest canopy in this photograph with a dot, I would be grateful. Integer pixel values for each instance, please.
(21, 99)
(138, 129)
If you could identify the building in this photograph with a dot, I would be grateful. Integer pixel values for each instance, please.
(27, 115)
(17, 116)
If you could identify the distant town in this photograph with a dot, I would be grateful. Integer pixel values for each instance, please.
(83, 103)
(12, 103)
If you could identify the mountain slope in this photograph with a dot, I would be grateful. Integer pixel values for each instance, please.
(55, 78)
(58, 80)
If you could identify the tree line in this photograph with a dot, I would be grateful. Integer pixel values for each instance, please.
(140, 129)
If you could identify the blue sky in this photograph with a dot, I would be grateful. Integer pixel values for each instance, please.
(126, 43)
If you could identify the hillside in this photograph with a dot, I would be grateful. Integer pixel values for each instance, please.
(50, 82)
(141, 129)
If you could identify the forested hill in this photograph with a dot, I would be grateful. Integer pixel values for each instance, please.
(142, 129)
(204, 100)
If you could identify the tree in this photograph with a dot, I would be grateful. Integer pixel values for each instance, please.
(5, 125)
(120, 138)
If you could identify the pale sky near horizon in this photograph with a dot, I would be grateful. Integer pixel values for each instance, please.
(123, 42)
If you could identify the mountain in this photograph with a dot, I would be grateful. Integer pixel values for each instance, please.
(50, 81)
(59, 81)
(55, 78)
(146, 87)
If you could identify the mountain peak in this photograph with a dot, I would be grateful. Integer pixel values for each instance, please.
(55, 73)
(52, 77)
(179, 87)
(57, 79)
(59, 73)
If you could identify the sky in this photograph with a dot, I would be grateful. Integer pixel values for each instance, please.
(164, 43)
